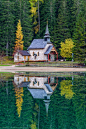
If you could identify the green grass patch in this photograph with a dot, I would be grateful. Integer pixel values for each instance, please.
(53, 74)
(5, 75)
(7, 61)
(5, 65)
(53, 64)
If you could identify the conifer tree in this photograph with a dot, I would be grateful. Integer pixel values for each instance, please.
(19, 37)
(72, 14)
(35, 14)
(22, 12)
(48, 12)
(62, 22)
(26, 23)
(80, 33)
(6, 27)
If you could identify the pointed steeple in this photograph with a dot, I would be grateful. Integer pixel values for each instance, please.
(47, 30)
(47, 102)
(47, 35)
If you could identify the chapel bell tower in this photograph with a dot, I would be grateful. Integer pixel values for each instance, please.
(47, 35)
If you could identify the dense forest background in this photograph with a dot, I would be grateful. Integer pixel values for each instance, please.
(66, 19)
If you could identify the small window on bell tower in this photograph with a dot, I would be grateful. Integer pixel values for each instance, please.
(45, 39)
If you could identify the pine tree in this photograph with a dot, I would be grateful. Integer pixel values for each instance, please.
(19, 37)
(6, 27)
(62, 22)
(35, 13)
(48, 12)
(22, 12)
(72, 12)
(80, 33)
(26, 22)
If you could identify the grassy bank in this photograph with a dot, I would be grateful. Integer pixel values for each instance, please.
(52, 64)
(5, 65)
(6, 75)
(6, 61)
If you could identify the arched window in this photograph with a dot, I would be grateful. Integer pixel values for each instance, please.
(38, 53)
(38, 83)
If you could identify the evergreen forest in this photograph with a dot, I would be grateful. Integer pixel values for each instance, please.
(66, 19)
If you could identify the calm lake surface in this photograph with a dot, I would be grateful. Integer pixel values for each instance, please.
(43, 101)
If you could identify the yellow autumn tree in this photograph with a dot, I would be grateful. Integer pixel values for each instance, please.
(35, 14)
(66, 48)
(66, 89)
(34, 6)
(19, 99)
(19, 37)
(33, 125)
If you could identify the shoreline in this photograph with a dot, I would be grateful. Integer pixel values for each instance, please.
(14, 69)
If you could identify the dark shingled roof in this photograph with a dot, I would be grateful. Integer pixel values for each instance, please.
(37, 93)
(40, 93)
(48, 50)
(37, 44)
(24, 84)
(49, 87)
(24, 53)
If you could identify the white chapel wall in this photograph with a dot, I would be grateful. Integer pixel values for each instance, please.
(40, 57)
(40, 82)
(19, 79)
(16, 56)
(21, 58)
(41, 54)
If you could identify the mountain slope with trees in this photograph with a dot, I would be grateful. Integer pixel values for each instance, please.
(66, 19)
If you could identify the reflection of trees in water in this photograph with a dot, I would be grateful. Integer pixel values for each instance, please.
(19, 99)
(66, 89)
(34, 121)
(66, 113)
(33, 125)
(79, 101)
(2, 79)
(7, 105)
(63, 113)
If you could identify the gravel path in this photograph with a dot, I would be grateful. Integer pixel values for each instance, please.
(14, 69)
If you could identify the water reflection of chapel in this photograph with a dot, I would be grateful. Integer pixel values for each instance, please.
(40, 87)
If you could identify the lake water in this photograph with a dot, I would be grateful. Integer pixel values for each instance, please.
(43, 101)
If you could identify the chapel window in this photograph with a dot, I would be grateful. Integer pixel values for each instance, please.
(38, 53)
(38, 83)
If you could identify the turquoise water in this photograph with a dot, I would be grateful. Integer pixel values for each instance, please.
(46, 101)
